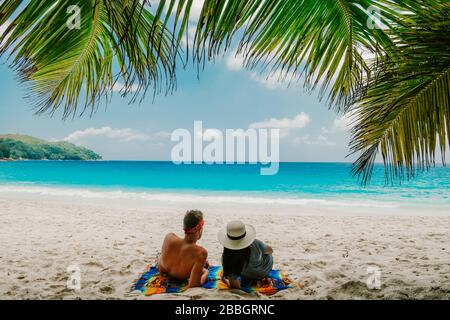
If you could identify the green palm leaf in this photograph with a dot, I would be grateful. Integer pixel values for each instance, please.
(322, 40)
(405, 113)
(59, 62)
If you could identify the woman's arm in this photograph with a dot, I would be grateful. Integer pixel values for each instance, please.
(235, 284)
(269, 250)
(265, 249)
(232, 283)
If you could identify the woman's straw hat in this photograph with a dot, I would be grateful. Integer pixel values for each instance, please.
(237, 235)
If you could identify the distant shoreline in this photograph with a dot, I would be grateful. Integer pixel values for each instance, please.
(21, 160)
(24, 147)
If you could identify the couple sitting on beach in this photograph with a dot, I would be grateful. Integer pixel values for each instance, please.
(243, 257)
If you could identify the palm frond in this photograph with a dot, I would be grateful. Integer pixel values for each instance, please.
(405, 113)
(59, 62)
(322, 40)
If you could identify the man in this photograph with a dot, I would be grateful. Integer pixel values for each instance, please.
(182, 258)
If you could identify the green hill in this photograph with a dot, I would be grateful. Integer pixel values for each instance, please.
(18, 147)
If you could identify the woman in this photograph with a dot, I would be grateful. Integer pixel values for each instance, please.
(244, 258)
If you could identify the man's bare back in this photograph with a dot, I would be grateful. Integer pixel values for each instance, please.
(183, 259)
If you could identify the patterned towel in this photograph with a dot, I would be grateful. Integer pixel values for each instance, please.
(152, 282)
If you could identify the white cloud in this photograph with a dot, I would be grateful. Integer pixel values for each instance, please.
(320, 141)
(341, 124)
(234, 61)
(190, 38)
(120, 87)
(285, 125)
(120, 135)
(194, 16)
(3, 28)
(275, 80)
(162, 135)
(196, 8)
(299, 121)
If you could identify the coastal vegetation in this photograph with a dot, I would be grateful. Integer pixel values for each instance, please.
(22, 147)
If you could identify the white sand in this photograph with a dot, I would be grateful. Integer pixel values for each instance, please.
(326, 256)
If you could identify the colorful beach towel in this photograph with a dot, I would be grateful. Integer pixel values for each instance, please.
(152, 282)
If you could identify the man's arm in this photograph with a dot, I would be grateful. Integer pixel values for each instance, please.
(268, 250)
(164, 250)
(199, 275)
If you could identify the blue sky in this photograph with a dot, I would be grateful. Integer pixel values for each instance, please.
(225, 97)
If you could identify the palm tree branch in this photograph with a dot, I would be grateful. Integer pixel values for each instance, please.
(404, 113)
(319, 40)
(114, 35)
(87, 48)
(408, 135)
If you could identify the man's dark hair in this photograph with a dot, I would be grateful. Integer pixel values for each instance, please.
(192, 218)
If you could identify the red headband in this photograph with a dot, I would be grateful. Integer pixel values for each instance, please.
(196, 228)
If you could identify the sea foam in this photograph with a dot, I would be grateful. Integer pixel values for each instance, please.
(185, 197)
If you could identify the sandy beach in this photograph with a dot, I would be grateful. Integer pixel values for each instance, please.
(327, 256)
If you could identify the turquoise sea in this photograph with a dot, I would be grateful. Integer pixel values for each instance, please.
(296, 183)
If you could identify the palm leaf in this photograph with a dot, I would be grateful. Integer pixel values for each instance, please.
(59, 63)
(322, 40)
(405, 113)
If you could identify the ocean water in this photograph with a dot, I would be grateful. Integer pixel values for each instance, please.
(296, 183)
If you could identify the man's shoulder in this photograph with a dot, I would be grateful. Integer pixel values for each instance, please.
(202, 250)
(199, 252)
(171, 237)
